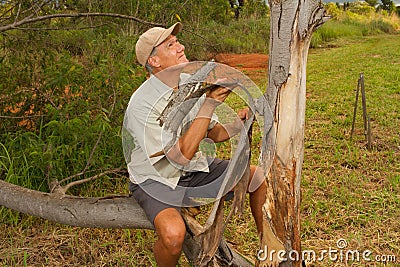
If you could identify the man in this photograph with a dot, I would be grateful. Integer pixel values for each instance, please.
(162, 177)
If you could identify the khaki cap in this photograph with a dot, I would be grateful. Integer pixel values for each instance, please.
(152, 38)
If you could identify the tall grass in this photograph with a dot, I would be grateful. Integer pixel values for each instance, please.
(349, 24)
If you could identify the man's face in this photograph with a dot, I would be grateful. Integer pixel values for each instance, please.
(170, 53)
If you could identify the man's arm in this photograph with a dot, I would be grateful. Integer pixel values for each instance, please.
(188, 144)
(223, 132)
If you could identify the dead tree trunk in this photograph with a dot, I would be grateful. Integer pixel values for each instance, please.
(292, 24)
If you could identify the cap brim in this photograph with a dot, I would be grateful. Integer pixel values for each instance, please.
(174, 30)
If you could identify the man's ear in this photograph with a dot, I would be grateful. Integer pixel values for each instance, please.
(154, 61)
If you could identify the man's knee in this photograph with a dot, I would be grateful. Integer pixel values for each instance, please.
(257, 178)
(173, 239)
(171, 231)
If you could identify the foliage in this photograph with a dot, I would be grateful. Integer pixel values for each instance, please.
(64, 92)
(372, 3)
(362, 8)
(58, 97)
(242, 36)
(333, 10)
(358, 19)
(388, 5)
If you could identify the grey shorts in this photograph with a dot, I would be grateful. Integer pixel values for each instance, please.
(193, 189)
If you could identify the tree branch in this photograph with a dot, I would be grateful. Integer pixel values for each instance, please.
(48, 98)
(121, 212)
(109, 212)
(29, 19)
(100, 136)
(60, 29)
(19, 10)
(75, 175)
(21, 117)
(68, 186)
(92, 152)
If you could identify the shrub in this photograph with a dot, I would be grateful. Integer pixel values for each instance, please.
(362, 8)
(333, 10)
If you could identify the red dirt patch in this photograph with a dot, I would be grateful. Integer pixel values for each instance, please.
(255, 66)
(245, 61)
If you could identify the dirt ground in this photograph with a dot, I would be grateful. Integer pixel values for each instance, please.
(253, 65)
(244, 61)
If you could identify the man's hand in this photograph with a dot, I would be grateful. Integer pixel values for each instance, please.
(224, 132)
(219, 94)
(243, 114)
(222, 89)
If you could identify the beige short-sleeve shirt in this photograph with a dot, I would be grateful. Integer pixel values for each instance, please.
(143, 136)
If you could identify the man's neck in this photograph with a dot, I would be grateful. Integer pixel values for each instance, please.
(170, 76)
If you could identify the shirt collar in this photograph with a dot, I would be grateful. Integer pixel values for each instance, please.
(161, 88)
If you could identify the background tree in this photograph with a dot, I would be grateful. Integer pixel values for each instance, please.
(362, 8)
(333, 10)
(372, 3)
(388, 5)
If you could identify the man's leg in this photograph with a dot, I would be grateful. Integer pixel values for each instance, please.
(257, 190)
(257, 187)
(171, 231)
(161, 205)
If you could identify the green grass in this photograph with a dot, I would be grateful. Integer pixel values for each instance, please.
(352, 25)
(348, 192)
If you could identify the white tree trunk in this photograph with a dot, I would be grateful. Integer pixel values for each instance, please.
(292, 24)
